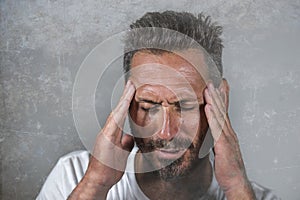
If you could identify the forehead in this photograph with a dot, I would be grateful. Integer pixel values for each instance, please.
(177, 59)
(180, 72)
(166, 67)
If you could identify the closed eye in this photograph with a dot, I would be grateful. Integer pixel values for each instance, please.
(147, 107)
(186, 106)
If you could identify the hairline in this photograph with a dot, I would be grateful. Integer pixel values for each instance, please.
(160, 52)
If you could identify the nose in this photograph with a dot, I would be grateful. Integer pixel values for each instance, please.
(169, 125)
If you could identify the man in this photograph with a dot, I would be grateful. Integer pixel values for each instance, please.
(173, 98)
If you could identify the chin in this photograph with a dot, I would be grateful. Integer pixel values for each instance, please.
(180, 168)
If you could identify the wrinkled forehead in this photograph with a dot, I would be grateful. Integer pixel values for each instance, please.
(176, 70)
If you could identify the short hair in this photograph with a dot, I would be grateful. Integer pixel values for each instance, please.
(201, 29)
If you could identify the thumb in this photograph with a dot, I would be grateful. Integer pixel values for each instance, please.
(127, 142)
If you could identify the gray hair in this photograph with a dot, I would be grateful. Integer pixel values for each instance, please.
(200, 29)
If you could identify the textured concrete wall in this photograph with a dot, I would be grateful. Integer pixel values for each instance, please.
(42, 44)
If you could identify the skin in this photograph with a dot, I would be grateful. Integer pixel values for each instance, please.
(169, 122)
(176, 121)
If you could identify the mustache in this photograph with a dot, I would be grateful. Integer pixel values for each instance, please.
(176, 143)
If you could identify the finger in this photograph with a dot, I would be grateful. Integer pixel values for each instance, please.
(120, 112)
(127, 142)
(213, 123)
(218, 123)
(222, 117)
(224, 88)
(221, 99)
(216, 98)
(207, 97)
(125, 99)
(116, 119)
(223, 123)
(219, 116)
(127, 88)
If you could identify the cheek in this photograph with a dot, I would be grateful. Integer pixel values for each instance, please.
(195, 126)
(190, 123)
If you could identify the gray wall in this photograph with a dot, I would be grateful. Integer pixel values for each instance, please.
(42, 44)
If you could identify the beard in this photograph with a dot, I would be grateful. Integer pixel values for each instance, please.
(169, 170)
(179, 168)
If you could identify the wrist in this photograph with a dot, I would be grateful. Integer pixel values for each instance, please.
(98, 176)
(241, 190)
(89, 189)
(97, 180)
(91, 186)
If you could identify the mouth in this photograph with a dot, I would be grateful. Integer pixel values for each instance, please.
(170, 153)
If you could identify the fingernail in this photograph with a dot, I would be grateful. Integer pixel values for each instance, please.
(207, 92)
(221, 89)
(129, 83)
(132, 84)
(211, 86)
(209, 107)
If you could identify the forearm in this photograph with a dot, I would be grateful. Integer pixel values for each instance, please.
(242, 191)
(88, 189)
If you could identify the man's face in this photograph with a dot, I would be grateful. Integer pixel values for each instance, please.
(168, 110)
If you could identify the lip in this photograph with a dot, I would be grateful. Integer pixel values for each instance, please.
(170, 153)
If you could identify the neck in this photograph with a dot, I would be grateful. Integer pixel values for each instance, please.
(194, 184)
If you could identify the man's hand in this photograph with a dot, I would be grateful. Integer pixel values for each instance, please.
(111, 150)
(229, 166)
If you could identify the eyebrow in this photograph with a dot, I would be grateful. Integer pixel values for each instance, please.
(189, 101)
(180, 101)
(141, 99)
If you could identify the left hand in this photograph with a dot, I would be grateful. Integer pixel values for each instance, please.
(229, 166)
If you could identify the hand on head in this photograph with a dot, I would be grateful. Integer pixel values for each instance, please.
(112, 147)
(229, 166)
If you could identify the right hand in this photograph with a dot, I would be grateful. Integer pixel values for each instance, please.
(111, 150)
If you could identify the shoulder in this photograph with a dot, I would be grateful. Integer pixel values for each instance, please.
(74, 159)
(65, 175)
(82, 155)
(262, 192)
(73, 166)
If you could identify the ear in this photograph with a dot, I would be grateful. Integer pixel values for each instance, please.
(224, 89)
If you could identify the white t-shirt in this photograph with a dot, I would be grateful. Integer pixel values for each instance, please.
(70, 169)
